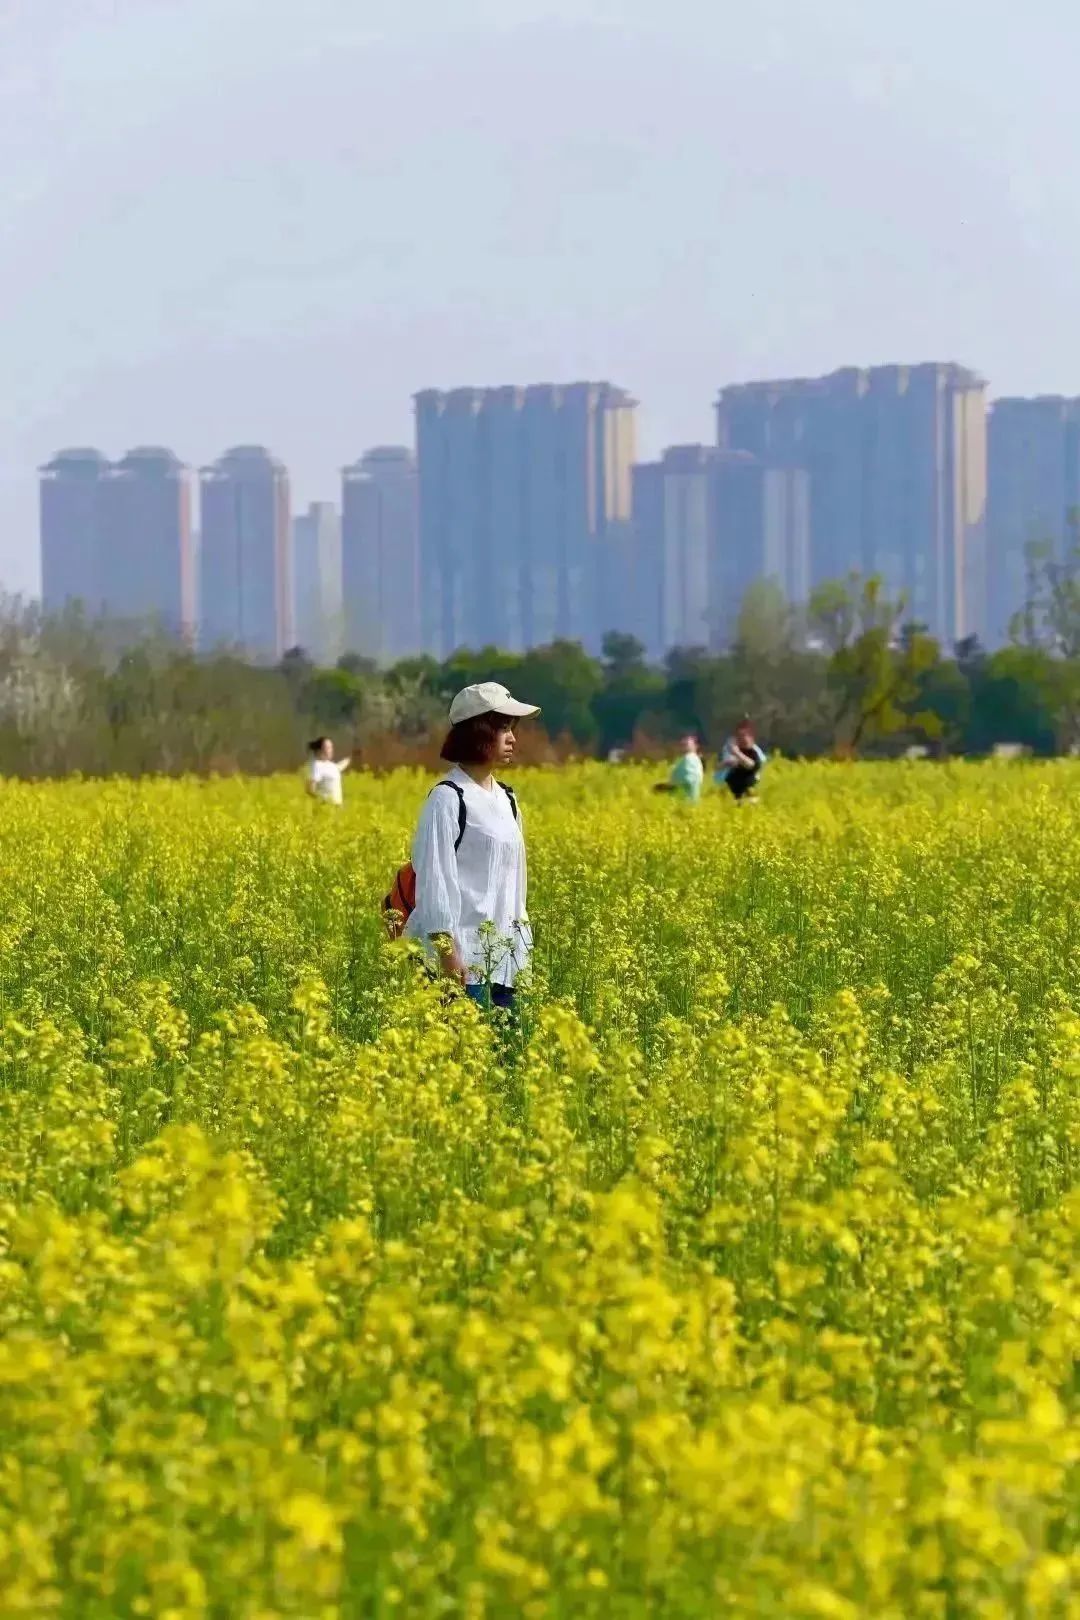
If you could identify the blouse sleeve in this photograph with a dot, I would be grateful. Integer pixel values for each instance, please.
(523, 858)
(434, 858)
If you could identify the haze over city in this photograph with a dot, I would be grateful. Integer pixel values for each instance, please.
(232, 222)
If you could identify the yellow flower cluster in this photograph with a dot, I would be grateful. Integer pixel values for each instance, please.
(741, 1280)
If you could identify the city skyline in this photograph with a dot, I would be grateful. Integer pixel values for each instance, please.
(525, 516)
(674, 197)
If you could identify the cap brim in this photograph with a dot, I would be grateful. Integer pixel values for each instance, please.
(512, 709)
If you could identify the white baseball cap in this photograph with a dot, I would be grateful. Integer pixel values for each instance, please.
(487, 697)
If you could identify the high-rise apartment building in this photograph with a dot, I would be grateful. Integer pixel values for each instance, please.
(317, 592)
(246, 554)
(381, 554)
(759, 530)
(673, 501)
(896, 458)
(708, 523)
(146, 555)
(1034, 495)
(525, 505)
(117, 537)
(70, 516)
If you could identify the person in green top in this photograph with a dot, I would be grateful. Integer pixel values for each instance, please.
(688, 773)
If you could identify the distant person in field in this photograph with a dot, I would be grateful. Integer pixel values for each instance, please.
(468, 854)
(324, 771)
(741, 763)
(688, 772)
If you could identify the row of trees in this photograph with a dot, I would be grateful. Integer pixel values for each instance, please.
(851, 674)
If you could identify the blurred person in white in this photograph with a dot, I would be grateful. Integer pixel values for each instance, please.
(324, 771)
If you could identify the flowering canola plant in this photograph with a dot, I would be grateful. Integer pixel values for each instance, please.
(741, 1280)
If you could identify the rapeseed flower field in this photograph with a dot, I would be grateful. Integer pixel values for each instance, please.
(742, 1281)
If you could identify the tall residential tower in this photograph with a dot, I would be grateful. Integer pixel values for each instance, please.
(381, 555)
(525, 506)
(117, 537)
(246, 554)
(70, 505)
(317, 605)
(1034, 495)
(147, 557)
(708, 523)
(896, 457)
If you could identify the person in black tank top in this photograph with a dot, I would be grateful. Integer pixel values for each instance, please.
(741, 762)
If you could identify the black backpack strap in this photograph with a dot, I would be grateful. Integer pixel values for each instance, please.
(512, 796)
(461, 816)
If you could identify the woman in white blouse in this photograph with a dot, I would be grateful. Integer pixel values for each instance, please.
(469, 853)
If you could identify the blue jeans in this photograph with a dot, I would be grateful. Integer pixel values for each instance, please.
(501, 995)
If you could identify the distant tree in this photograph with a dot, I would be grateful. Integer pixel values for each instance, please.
(621, 655)
(565, 681)
(943, 690)
(1049, 623)
(296, 668)
(421, 669)
(418, 711)
(42, 696)
(833, 612)
(354, 663)
(765, 627)
(295, 658)
(333, 697)
(773, 677)
(466, 668)
(1012, 701)
(689, 671)
(876, 663)
(969, 653)
(630, 690)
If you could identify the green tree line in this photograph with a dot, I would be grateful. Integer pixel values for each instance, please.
(851, 674)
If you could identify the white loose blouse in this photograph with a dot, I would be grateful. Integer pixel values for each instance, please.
(483, 882)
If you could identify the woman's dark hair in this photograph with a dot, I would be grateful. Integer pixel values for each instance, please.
(472, 742)
(315, 746)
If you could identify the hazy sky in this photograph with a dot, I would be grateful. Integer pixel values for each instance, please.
(227, 221)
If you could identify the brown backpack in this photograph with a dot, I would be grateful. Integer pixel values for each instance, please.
(400, 903)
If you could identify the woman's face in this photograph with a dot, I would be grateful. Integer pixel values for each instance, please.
(502, 751)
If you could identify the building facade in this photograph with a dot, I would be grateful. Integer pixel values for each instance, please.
(896, 458)
(381, 555)
(673, 501)
(147, 557)
(525, 506)
(1034, 496)
(319, 623)
(246, 573)
(759, 529)
(116, 537)
(708, 523)
(70, 530)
